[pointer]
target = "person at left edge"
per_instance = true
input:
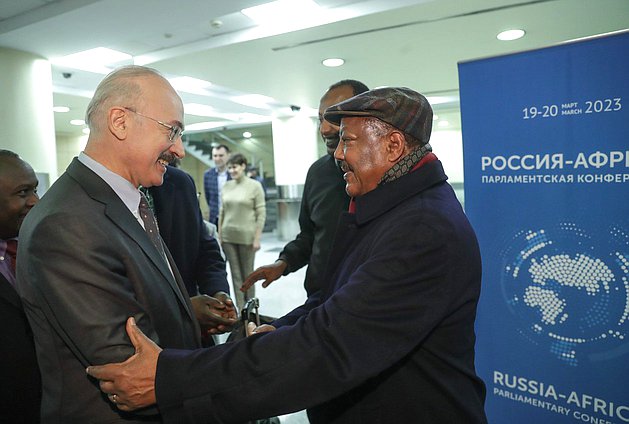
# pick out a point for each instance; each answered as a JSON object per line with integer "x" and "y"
{"x": 20, "y": 385}
{"x": 196, "y": 253}
{"x": 86, "y": 261}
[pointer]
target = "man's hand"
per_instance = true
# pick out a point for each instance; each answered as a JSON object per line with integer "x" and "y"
{"x": 264, "y": 328}
{"x": 130, "y": 385}
{"x": 268, "y": 273}
{"x": 216, "y": 314}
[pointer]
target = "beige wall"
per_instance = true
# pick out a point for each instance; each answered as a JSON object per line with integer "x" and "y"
{"x": 67, "y": 148}
{"x": 196, "y": 168}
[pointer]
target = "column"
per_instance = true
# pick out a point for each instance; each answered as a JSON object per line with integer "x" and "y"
{"x": 294, "y": 150}
{"x": 26, "y": 113}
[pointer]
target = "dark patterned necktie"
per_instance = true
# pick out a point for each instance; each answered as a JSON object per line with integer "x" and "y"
{"x": 150, "y": 225}
{"x": 149, "y": 198}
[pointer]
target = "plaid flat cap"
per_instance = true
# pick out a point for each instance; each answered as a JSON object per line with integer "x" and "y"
{"x": 405, "y": 109}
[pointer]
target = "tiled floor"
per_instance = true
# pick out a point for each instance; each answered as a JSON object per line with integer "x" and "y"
{"x": 280, "y": 297}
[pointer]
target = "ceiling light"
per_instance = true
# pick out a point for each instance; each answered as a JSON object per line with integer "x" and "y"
{"x": 252, "y": 118}
{"x": 439, "y": 100}
{"x": 86, "y": 130}
{"x": 190, "y": 85}
{"x": 77, "y": 122}
{"x": 198, "y": 109}
{"x": 254, "y": 100}
{"x": 511, "y": 34}
{"x": 100, "y": 60}
{"x": 246, "y": 134}
{"x": 61, "y": 109}
{"x": 202, "y": 126}
{"x": 333, "y": 62}
{"x": 283, "y": 11}
{"x": 443, "y": 124}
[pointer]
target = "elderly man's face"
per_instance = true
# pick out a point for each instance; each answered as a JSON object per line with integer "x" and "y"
{"x": 363, "y": 155}
{"x": 150, "y": 149}
{"x": 18, "y": 194}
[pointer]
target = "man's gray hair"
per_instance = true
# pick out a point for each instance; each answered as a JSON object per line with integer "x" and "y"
{"x": 118, "y": 88}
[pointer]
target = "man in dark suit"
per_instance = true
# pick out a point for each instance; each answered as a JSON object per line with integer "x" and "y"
{"x": 196, "y": 253}
{"x": 322, "y": 202}
{"x": 391, "y": 339}
{"x": 90, "y": 255}
{"x": 20, "y": 385}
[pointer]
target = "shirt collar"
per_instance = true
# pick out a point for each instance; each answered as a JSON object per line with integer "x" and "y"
{"x": 129, "y": 194}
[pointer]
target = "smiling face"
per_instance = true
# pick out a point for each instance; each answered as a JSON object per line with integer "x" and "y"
{"x": 220, "y": 156}
{"x": 236, "y": 171}
{"x": 365, "y": 155}
{"x": 18, "y": 194}
{"x": 149, "y": 149}
{"x": 330, "y": 132}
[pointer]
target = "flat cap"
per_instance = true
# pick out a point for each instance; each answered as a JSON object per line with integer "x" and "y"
{"x": 405, "y": 109}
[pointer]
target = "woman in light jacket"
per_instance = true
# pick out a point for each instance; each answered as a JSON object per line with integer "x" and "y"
{"x": 240, "y": 224}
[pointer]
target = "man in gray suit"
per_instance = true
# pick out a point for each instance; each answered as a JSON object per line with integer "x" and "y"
{"x": 92, "y": 260}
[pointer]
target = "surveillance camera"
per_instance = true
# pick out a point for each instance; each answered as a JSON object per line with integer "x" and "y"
{"x": 295, "y": 108}
{"x": 67, "y": 75}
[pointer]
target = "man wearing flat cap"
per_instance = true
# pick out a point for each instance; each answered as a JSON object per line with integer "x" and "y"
{"x": 391, "y": 339}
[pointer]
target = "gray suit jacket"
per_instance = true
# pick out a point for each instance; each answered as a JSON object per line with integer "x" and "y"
{"x": 85, "y": 265}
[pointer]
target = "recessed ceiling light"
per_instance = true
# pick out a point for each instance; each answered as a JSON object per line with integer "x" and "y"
{"x": 443, "y": 124}
{"x": 252, "y": 118}
{"x": 198, "y": 109}
{"x": 439, "y": 100}
{"x": 254, "y": 100}
{"x": 201, "y": 126}
{"x": 99, "y": 60}
{"x": 86, "y": 130}
{"x": 61, "y": 109}
{"x": 283, "y": 11}
{"x": 190, "y": 85}
{"x": 511, "y": 34}
{"x": 246, "y": 134}
{"x": 333, "y": 62}
{"x": 77, "y": 122}
{"x": 435, "y": 117}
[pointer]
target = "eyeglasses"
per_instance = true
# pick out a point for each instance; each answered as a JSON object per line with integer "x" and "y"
{"x": 175, "y": 130}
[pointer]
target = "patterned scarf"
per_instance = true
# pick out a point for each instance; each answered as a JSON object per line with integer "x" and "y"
{"x": 406, "y": 164}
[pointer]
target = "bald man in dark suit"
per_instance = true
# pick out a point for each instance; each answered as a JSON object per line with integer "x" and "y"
{"x": 92, "y": 253}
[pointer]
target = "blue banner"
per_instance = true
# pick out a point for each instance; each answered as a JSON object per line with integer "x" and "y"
{"x": 546, "y": 155}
